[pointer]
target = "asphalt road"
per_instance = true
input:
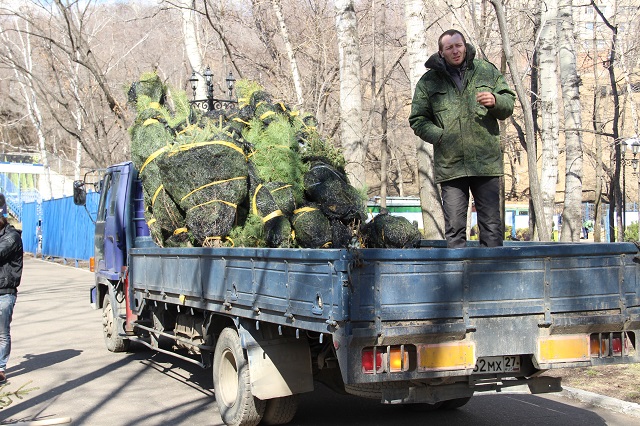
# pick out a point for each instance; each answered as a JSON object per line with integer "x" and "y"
{"x": 58, "y": 349}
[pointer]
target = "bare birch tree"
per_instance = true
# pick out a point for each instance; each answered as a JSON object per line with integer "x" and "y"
{"x": 534, "y": 183}
{"x": 548, "y": 106}
{"x": 26, "y": 83}
{"x": 192, "y": 44}
{"x": 570, "y": 81}
{"x": 293, "y": 63}
{"x": 430, "y": 201}
{"x": 351, "y": 127}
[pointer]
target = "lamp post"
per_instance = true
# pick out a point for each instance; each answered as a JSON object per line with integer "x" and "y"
{"x": 211, "y": 103}
{"x": 634, "y": 143}
{"x": 230, "y": 84}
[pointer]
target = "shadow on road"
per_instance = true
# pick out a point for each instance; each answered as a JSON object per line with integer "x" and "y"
{"x": 33, "y": 362}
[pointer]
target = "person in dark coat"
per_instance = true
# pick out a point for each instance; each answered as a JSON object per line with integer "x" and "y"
{"x": 456, "y": 107}
{"x": 11, "y": 254}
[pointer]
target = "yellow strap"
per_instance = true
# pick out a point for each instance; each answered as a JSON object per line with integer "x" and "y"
{"x": 327, "y": 244}
{"x": 294, "y": 113}
{"x": 207, "y": 240}
{"x": 254, "y": 203}
{"x": 304, "y": 210}
{"x": 180, "y": 231}
{"x": 281, "y": 105}
{"x": 272, "y": 215}
{"x": 154, "y": 105}
{"x": 189, "y": 146}
{"x": 266, "y": 114}
{"x": 155, "y": 194}
{"x": 149, "y": 121}
{"x": 282, "y": 187}
{"x": 240, "y": 120}
{"x": 189, "y": 128}
{"x": 151, "y": 222}
{"x": 301, "y": 211}
{"x": 154, "y": 156}
{"x": 235, "y": 206}
{"x": 211, "y": 184}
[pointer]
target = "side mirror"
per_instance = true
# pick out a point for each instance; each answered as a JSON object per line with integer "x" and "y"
{"x": 79, "y": 193}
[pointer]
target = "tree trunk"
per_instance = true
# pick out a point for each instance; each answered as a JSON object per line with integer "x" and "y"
{"x": 534, "y": 184}
{"x": 548, "y": 107}
{"x": 351, "y": 128}
{"x": 430, "y": 201}
{"x": 597, "y": 128}
{"x": 192, "y": 45}
{"x": 33, "y": 110}
{"x": 615, "y": 192}
{"x": 284, "y": 32}
{"x": 572, "y": 214}
{"x": 384, "y": 141}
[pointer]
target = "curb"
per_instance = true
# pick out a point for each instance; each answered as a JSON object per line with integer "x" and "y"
{"x": 606, "y": 402}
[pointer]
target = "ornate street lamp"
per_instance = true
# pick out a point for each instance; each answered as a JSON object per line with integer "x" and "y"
{"x": 634, "y": 143}
{"x": 211, "y": 103}
{"x": 230, "y": 83}
{"x": 194, "y": 83}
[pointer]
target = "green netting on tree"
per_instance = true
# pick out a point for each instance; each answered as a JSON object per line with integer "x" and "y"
{"x": 151, "y": 137}
{"x": 211, "y": 222}
{"x": 154, "y": 228}
{"x": 329, "y": 188}
{"x": 341, "y": 234}
{"x": 198, "y": 173}
{"x": 278, "y": 232}
{"x": 208, "y": 180}
{"x": 386, "y": 231}
{"x": 283, "y": 196}
{"x": 150, "y": 86}
{"x": 312, "y": 228}
{"x": 180, "y": 238}
{"x": 165, "y": 213}
{"x": 245, "y": 89}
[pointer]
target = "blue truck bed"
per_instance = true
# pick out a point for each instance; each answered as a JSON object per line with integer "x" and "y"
{"x": 315, "y": 289}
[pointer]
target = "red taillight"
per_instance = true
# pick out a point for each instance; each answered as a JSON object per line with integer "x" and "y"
{"x": 369, "y": 355}
{"x": 390, "y": 359}
{"x": 611, "y": 344}
{"x": 616, "y": 345}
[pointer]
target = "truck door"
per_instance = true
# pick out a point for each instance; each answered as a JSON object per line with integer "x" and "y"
{"x": 109, "y": 239}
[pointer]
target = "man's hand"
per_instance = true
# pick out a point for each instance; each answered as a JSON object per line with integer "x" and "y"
{"x": 486, "y": 99}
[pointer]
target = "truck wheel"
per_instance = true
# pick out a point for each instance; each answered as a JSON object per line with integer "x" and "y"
{"x": 111, "y": 328}
{"x": 280, "y": 411}
{"x": 452, "y": 404}
{"x": 231, "y": 383}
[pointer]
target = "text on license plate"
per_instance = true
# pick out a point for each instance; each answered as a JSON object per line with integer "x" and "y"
{"x": 497, "y": 364}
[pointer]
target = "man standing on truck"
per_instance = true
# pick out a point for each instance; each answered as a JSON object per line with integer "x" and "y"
{"x": 10, "y": 276}
{"x": 456, "y": 107}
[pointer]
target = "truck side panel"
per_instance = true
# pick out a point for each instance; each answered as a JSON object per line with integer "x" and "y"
{"x": 276, "y": 285}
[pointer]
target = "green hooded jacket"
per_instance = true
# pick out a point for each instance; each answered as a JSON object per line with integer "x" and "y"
{"x": 465, "y": 135}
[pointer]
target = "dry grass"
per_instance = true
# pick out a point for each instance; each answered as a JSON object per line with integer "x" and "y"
{"x": 616, "y": 381}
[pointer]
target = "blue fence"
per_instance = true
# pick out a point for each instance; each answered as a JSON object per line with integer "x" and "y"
{"x": 66, "y": 230}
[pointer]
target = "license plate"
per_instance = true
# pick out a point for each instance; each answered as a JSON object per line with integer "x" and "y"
{"x": 497, "y": 364}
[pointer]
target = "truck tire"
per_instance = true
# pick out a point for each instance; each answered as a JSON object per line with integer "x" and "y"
{"x": 280, "y": 411}
{"x": 231, "y": 383}
{"x": 111, "y": 325}
{"x": 452, "y": 404}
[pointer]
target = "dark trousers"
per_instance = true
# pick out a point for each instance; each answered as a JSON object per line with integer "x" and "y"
{"x": 455, "y": 201}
